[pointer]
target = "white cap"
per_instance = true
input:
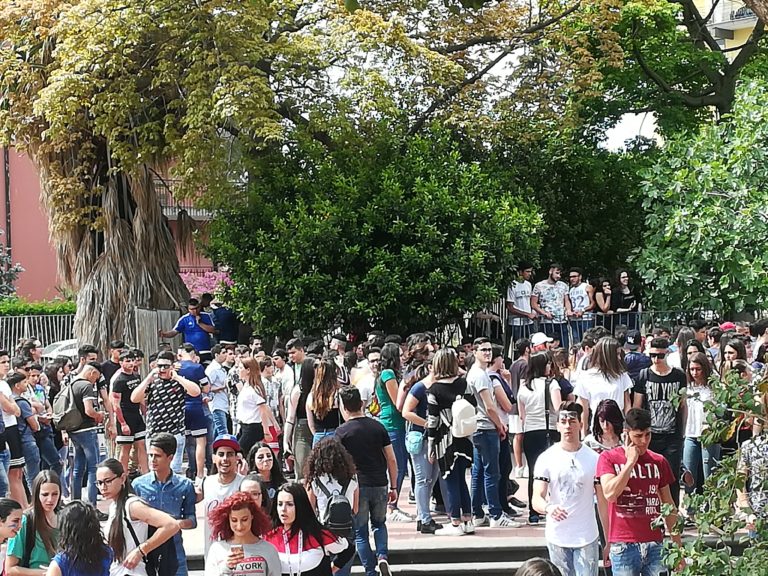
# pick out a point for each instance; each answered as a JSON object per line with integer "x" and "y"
{"x": 540, "y": 338}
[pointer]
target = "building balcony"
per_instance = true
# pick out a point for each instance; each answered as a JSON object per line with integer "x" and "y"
{"x": 729, "y": 16}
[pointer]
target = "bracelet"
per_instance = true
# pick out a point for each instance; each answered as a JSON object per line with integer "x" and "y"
{"x": 289, "y": 422}
{"x": 392, "y": 488}
{"x": 143, "y": 555}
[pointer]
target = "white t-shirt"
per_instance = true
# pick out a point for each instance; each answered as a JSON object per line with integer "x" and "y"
{"x": 571, "y": 478}
{"x": 594, "y": 388}
{"x": 214, "y": 492}
{"x": 217, "y": 377}
{"x": 533, "y": 404}
{"x": 5, "y": 390}
{"x": 333, "y": 486}
{"x": 697, "y": 416}
{"x": 248, "y": 402}
{"x": 139, "y": 527}
{"x": 673, "y": 359}
{"x": 260, "y": 559}
{"x": 519, "y": 293}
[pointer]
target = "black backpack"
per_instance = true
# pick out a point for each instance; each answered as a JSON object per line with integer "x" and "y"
{"x": 337, "y": 516}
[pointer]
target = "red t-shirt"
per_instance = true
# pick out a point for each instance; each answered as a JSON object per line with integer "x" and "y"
{"x": 640, "y": 503}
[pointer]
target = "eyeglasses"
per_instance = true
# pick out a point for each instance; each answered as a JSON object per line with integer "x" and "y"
{"x": 485, "y": 349}
{"x": 659, "y": 355}
{"x": 106, "y": 482}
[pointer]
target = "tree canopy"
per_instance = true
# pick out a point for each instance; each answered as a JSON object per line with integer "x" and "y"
{"x": 397, "y": 239}
{"x": 706, "y": 226}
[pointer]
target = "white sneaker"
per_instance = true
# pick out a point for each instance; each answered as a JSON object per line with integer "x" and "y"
{"x": 450, "y": 530}
{"x": 384, "y": 569}
{"x": 480, "y": 522}
{"x": 397, "y": 515}
{"x": 505, "y": 521}
{"x": 468, "y": 527}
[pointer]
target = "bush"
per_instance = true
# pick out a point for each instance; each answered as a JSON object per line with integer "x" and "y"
{"x": 397, "y": 239}
{"x": 16, "y": 307}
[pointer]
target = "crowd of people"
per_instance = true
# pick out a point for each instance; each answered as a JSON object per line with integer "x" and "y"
{"x": 299, "y": 455}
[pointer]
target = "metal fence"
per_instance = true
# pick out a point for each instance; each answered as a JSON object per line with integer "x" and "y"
{"x": 148, "y": 322}
{"x": 46, "y": 328}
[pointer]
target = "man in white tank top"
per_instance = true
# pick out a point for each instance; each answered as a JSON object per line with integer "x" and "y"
{"x": 582, "y": 296}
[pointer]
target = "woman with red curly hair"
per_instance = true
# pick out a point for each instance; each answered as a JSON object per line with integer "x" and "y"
{"x": 237, "y": 525}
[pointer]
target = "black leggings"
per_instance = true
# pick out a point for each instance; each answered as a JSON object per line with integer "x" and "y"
{"x": 249, "y": 435}
{"x": 534, "y": 444}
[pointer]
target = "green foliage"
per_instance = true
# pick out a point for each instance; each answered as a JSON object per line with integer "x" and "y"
{"x": 671, "y": 65}
{"x": 719, "y": 517}
{"x": 398, "y": 239}
{"x": 706, "y": 228}
{"x": 9, "y": 272}
{"x": 589, "y": 198}
{"x": 17, "y": 307}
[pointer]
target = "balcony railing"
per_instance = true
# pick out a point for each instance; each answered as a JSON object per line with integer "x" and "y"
{"x": 172, "y": 206}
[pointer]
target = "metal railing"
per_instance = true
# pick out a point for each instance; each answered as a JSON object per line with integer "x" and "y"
{"x": 47, "y": 328}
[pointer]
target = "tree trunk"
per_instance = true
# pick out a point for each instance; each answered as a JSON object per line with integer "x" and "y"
{"x": 120, "y": 257}
{"x": 759, "y": 7}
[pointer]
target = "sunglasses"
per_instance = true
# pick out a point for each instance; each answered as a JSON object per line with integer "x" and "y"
{"x": 164, "y": 366}
{"x": 659, "y": 355}
{"x": 567, "y": 417}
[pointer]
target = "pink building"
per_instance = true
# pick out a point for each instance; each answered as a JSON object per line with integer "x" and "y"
{"x": 23, "y": 219}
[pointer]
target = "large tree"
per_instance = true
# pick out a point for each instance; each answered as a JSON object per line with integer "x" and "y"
{"x": 106, "y": 95}
{"x": 707, "y": 226}
{"x": 673, "y": 64}
{"x": 396, "y": 239}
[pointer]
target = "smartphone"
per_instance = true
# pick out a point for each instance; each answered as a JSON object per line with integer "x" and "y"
{"x": 237, "y": 549}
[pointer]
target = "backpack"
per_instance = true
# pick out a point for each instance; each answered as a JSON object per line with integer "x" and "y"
{"x": 337, "y": 516}
{"x": 464, "y": 418}
{"x": 66, "y": 414}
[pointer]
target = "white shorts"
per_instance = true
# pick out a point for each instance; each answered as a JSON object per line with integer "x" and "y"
{"x": 515, "y": 424}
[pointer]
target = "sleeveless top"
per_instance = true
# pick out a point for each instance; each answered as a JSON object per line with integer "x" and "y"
{"x": 141, "y": 528}
{"x": 580, "y": 300}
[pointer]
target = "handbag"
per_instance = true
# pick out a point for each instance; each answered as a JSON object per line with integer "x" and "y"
{"x": 414, "y": 440}
{"x": 550, "y": 439}
{"x": 161, "y": 561}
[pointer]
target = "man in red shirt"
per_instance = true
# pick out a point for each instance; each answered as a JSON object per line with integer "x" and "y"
{"x": 636, "y": 482}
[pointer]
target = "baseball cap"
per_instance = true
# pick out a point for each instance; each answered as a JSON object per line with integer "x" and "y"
{"x": 726, "y": 326}
{"x": 228, "y": 441}
{"x": 540, "y": 338}
{"x": 633, "y": 339}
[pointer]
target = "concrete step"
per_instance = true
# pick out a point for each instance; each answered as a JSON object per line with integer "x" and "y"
{"x": 469, "y": 552}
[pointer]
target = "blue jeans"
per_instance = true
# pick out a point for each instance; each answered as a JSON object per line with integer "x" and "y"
{"x": 426, "y": 476}
{"x": 31, "y": 462}
{"x": 317, "y": 436}
{"x": 576, "y": 561}
{"x": 578, "y": 327}
{"x": 401, "y": 455}
{"x": 48, "y": 453}
{"x": 219, "y": 422}
{"x": 559, "y": 331}
{"x": 178, "y": 458}
{"x": 181, "y": 556}
{"x": 456, "y": 498}
{"x": 697, "y": 456}
{"x": 5, "y": 462}
{"x": 86, "y": 445}
{"x": 485, "y": 473}
{"x": 637, "y": 559}
{"x": 373, "y": 505}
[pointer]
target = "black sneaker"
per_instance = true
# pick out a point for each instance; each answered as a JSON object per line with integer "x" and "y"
{"x": 384, "y": 567}
{"x": 101, "y": 516}
{"x": 516, "y": 502}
